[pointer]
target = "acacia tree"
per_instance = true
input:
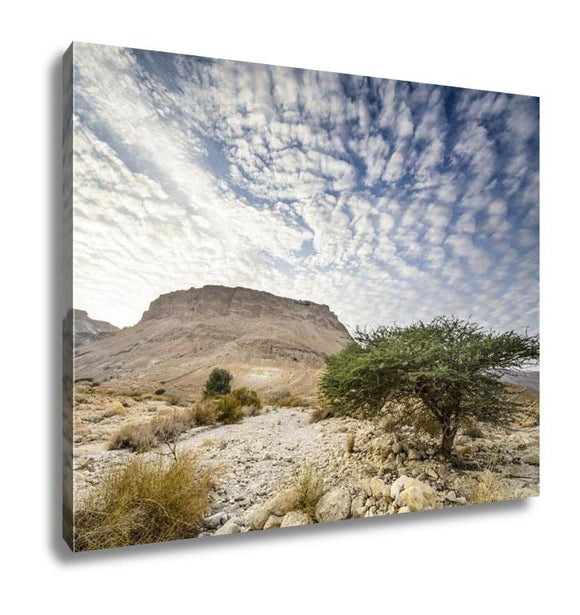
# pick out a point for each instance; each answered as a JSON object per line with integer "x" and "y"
{"x": 449, "y": 367}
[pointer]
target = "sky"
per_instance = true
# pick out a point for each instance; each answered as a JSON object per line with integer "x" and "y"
{"x": 389, "y": 201}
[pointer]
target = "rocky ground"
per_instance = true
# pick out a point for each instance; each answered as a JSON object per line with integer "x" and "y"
{"x": 364, "y": 469}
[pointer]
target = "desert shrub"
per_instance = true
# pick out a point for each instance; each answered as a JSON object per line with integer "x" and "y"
{"x": 145, "y": 502}
{"x": 168, "y": 428}
{"x": 489, "y": 487}
{"x": 291, "y": 401}
{"x": 137, "y": 437}
{"x": 275, "y": 397}
{"x": 115, "y": 408}
{"x": 319, "y": 414}
{"x": 228, "y": 410}
{"x": 203, "y": 414}
{"x": 309, "y": 487}
{"x": 350, "y": 443}
{"x": 218, "y": 382}
{"x": 278, "y": 395}
{"x": 248, "y": 400}
{"x": 159, "y": 391}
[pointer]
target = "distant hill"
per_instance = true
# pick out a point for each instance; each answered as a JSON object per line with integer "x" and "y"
{"x": 269, "y": 343}
{"x": 86, "y": 328}
{"x": 529, "y": 379}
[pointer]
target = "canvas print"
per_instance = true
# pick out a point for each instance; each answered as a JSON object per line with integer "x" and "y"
{"x": 295, "y": 297}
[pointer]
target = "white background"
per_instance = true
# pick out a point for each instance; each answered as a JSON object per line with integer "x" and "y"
{"x": 519, "y": 557}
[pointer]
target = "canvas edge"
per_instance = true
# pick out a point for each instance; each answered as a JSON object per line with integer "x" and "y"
{"x": 67, "y": 299}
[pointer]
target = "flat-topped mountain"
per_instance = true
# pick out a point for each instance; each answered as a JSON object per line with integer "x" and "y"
{"x": 87, "y": 328}
{"x": 268, "y": 342}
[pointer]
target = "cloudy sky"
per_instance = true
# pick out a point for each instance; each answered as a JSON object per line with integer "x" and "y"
{"x": 386, "y": 200}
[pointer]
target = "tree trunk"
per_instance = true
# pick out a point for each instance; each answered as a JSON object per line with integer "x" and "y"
{"x": 447, "y": 439}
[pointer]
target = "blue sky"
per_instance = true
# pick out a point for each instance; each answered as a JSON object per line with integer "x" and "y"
{"x": 386, "y": 200}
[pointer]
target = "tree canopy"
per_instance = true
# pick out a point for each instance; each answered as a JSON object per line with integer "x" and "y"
{"x": 450, "y": 367}
{"x": 218, "y": 382}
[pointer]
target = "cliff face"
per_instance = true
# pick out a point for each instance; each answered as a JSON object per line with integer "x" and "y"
{"x": 86, "y": 328}
{"x": 268, "y": 342}
{"x": 227, "y": 303}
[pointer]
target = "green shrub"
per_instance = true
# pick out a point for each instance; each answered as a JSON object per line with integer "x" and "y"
{"x": 159, "y": 391}
{"x": 218, "y": 382}
{"x": 248, "y": 400}
{"x": 145, "y": 502}
{"x": 229, "y": 410}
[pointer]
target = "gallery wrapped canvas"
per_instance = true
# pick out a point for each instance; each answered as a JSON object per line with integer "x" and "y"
{"x": 296, "y": 297}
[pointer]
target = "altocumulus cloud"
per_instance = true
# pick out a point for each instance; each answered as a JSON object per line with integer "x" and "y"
{"x": 387, "y": 200}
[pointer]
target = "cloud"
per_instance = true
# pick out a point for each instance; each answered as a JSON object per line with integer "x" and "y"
{"x": 386, "y": 200}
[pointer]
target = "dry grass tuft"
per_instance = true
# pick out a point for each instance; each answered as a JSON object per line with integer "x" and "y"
{"x": 350, "y": 443}
{"x": 489, "y": 487}
{"x": 114, "y": 408}
{"x": 145, "y": 502}
{"x": 137, "y": 437}
{"x": 292, "y": 401}
{"x": 319, "y": 413}
{"x": 203, "y": 413}
{"x": 309, "y": 487}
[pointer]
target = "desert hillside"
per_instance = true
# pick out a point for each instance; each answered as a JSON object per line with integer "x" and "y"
{"x": 87, "y": 328}
{"x": 269, "y": 343}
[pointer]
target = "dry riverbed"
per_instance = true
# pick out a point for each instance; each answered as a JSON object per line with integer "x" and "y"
{"x": 262, "y": 455}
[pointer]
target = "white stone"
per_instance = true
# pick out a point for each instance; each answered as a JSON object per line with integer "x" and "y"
{"x": 295, "y": 518}
{"x": 334, "y": 505}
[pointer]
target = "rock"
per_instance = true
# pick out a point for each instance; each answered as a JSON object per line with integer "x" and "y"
{"x": 430, "y": 472}
{"x": 414, "y": 455}
{"x": 358, "y": 507}
{"x": 272, "y": 522}
{"x": 215, "y": 521}
{"x": 153, "y": 406}
{"x": 412, "y": 499}
{"x": 397, "y": 448}
{"x": 230, "y": 527}
{"x": 531, "y": 457}
{"x": 283, "y": 503}
{"x": 404, "y": 509}
{"x": 451, "y": 496}
{"x": 334, "y": 505}
{"x": 413, "y": 494}
{"x": 295, "y": 518}
{"x": 256, "y": 517}
{"x": 366, "y": 487}
{"x": 401, "y": 483}
{"x": 378, "y": 488}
